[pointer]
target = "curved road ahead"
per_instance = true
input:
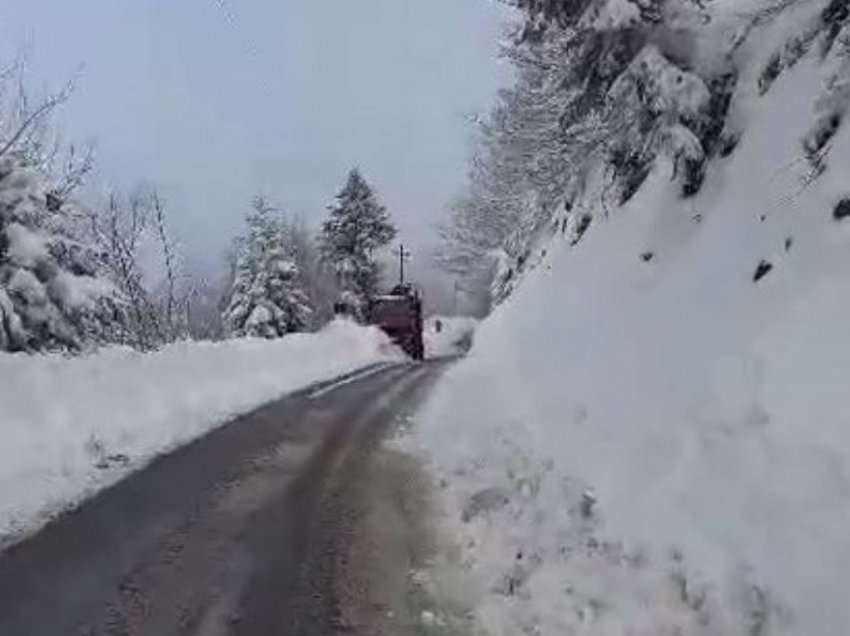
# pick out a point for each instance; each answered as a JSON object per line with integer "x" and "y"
{"x": 293, "y": 520}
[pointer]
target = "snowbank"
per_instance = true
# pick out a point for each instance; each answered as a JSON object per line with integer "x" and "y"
{"x": 454, "y": 337}
{"x": 71, "y": 426}
{"x": 647, "y": 440}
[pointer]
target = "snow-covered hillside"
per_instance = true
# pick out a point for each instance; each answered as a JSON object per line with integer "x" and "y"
{"x": 72, "y": 426}
{"x": 651, "y": 435}
{"x": 454, "y": 337}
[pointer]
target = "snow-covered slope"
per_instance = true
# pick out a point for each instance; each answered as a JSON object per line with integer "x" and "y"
{"x": 71, "y": 426}
{"x": 453, "y": 338}
{"x": 651, "y": 436}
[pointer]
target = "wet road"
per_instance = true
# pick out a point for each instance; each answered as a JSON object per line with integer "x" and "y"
{"x": 293, "y": 520}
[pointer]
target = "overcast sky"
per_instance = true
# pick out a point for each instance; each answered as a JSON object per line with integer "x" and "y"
{"x": 215, "y": 101}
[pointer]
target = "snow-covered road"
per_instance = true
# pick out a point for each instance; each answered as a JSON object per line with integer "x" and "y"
{"x": 72, "y": 426}
{"x": 291, "y": 520}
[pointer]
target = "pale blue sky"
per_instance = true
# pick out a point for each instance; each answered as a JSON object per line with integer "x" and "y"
{"x": 282, "y": 99}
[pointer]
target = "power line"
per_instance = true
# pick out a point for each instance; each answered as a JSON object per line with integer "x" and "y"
{"x": 403, "y": 257}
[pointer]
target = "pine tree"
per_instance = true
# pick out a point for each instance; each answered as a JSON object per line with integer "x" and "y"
{"x": 54, "y": 291}
{"x": 267, "y": 298}
{"x": 358, "y": 226}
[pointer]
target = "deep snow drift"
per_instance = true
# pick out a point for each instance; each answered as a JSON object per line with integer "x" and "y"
{"x": 72, "y": 426}
{"x": 645, "y": 439}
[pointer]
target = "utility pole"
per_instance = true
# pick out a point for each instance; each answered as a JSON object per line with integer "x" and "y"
{"x": 454, "y": 298}
{"x": 402, "y": 257}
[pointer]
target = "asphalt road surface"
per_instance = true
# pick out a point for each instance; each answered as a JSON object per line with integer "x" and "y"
{"x": 294, "y": 520}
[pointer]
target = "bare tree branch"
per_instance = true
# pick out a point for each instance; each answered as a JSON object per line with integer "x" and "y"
{"x": 74, "y": 170}
{"x": 169, "y": 260}
{"x": 29, "y": 120}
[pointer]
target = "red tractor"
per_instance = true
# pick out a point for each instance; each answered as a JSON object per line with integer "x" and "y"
{"x": 399, "y": 315}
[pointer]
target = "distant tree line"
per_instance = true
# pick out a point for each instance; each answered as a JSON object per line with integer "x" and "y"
{"x": 284, "y": 280}
{"x": 74, "y": 275}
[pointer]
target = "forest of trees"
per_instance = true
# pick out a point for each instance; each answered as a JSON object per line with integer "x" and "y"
{"x": 602, "y": 89}
{"x": 73, "y": 275}
{"x": 283, "y": 280}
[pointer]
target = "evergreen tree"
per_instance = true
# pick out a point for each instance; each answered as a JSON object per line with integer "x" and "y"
{"x": 267, "y": 298}
{"x": 54, "y": 291}
{"x": 358, "y": 226}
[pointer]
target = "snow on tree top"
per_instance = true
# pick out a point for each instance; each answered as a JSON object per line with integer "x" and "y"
{"x": 53, "y": 294}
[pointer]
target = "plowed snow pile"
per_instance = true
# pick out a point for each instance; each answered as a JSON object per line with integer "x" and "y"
{"x": 72, "y": 426}
{"x": 652, "y": 434}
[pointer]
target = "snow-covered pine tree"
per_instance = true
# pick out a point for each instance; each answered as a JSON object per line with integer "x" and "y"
{"x": 267, "y": 299}
{"x": 54, "y": 290}
{"x": 358, "y": 226}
